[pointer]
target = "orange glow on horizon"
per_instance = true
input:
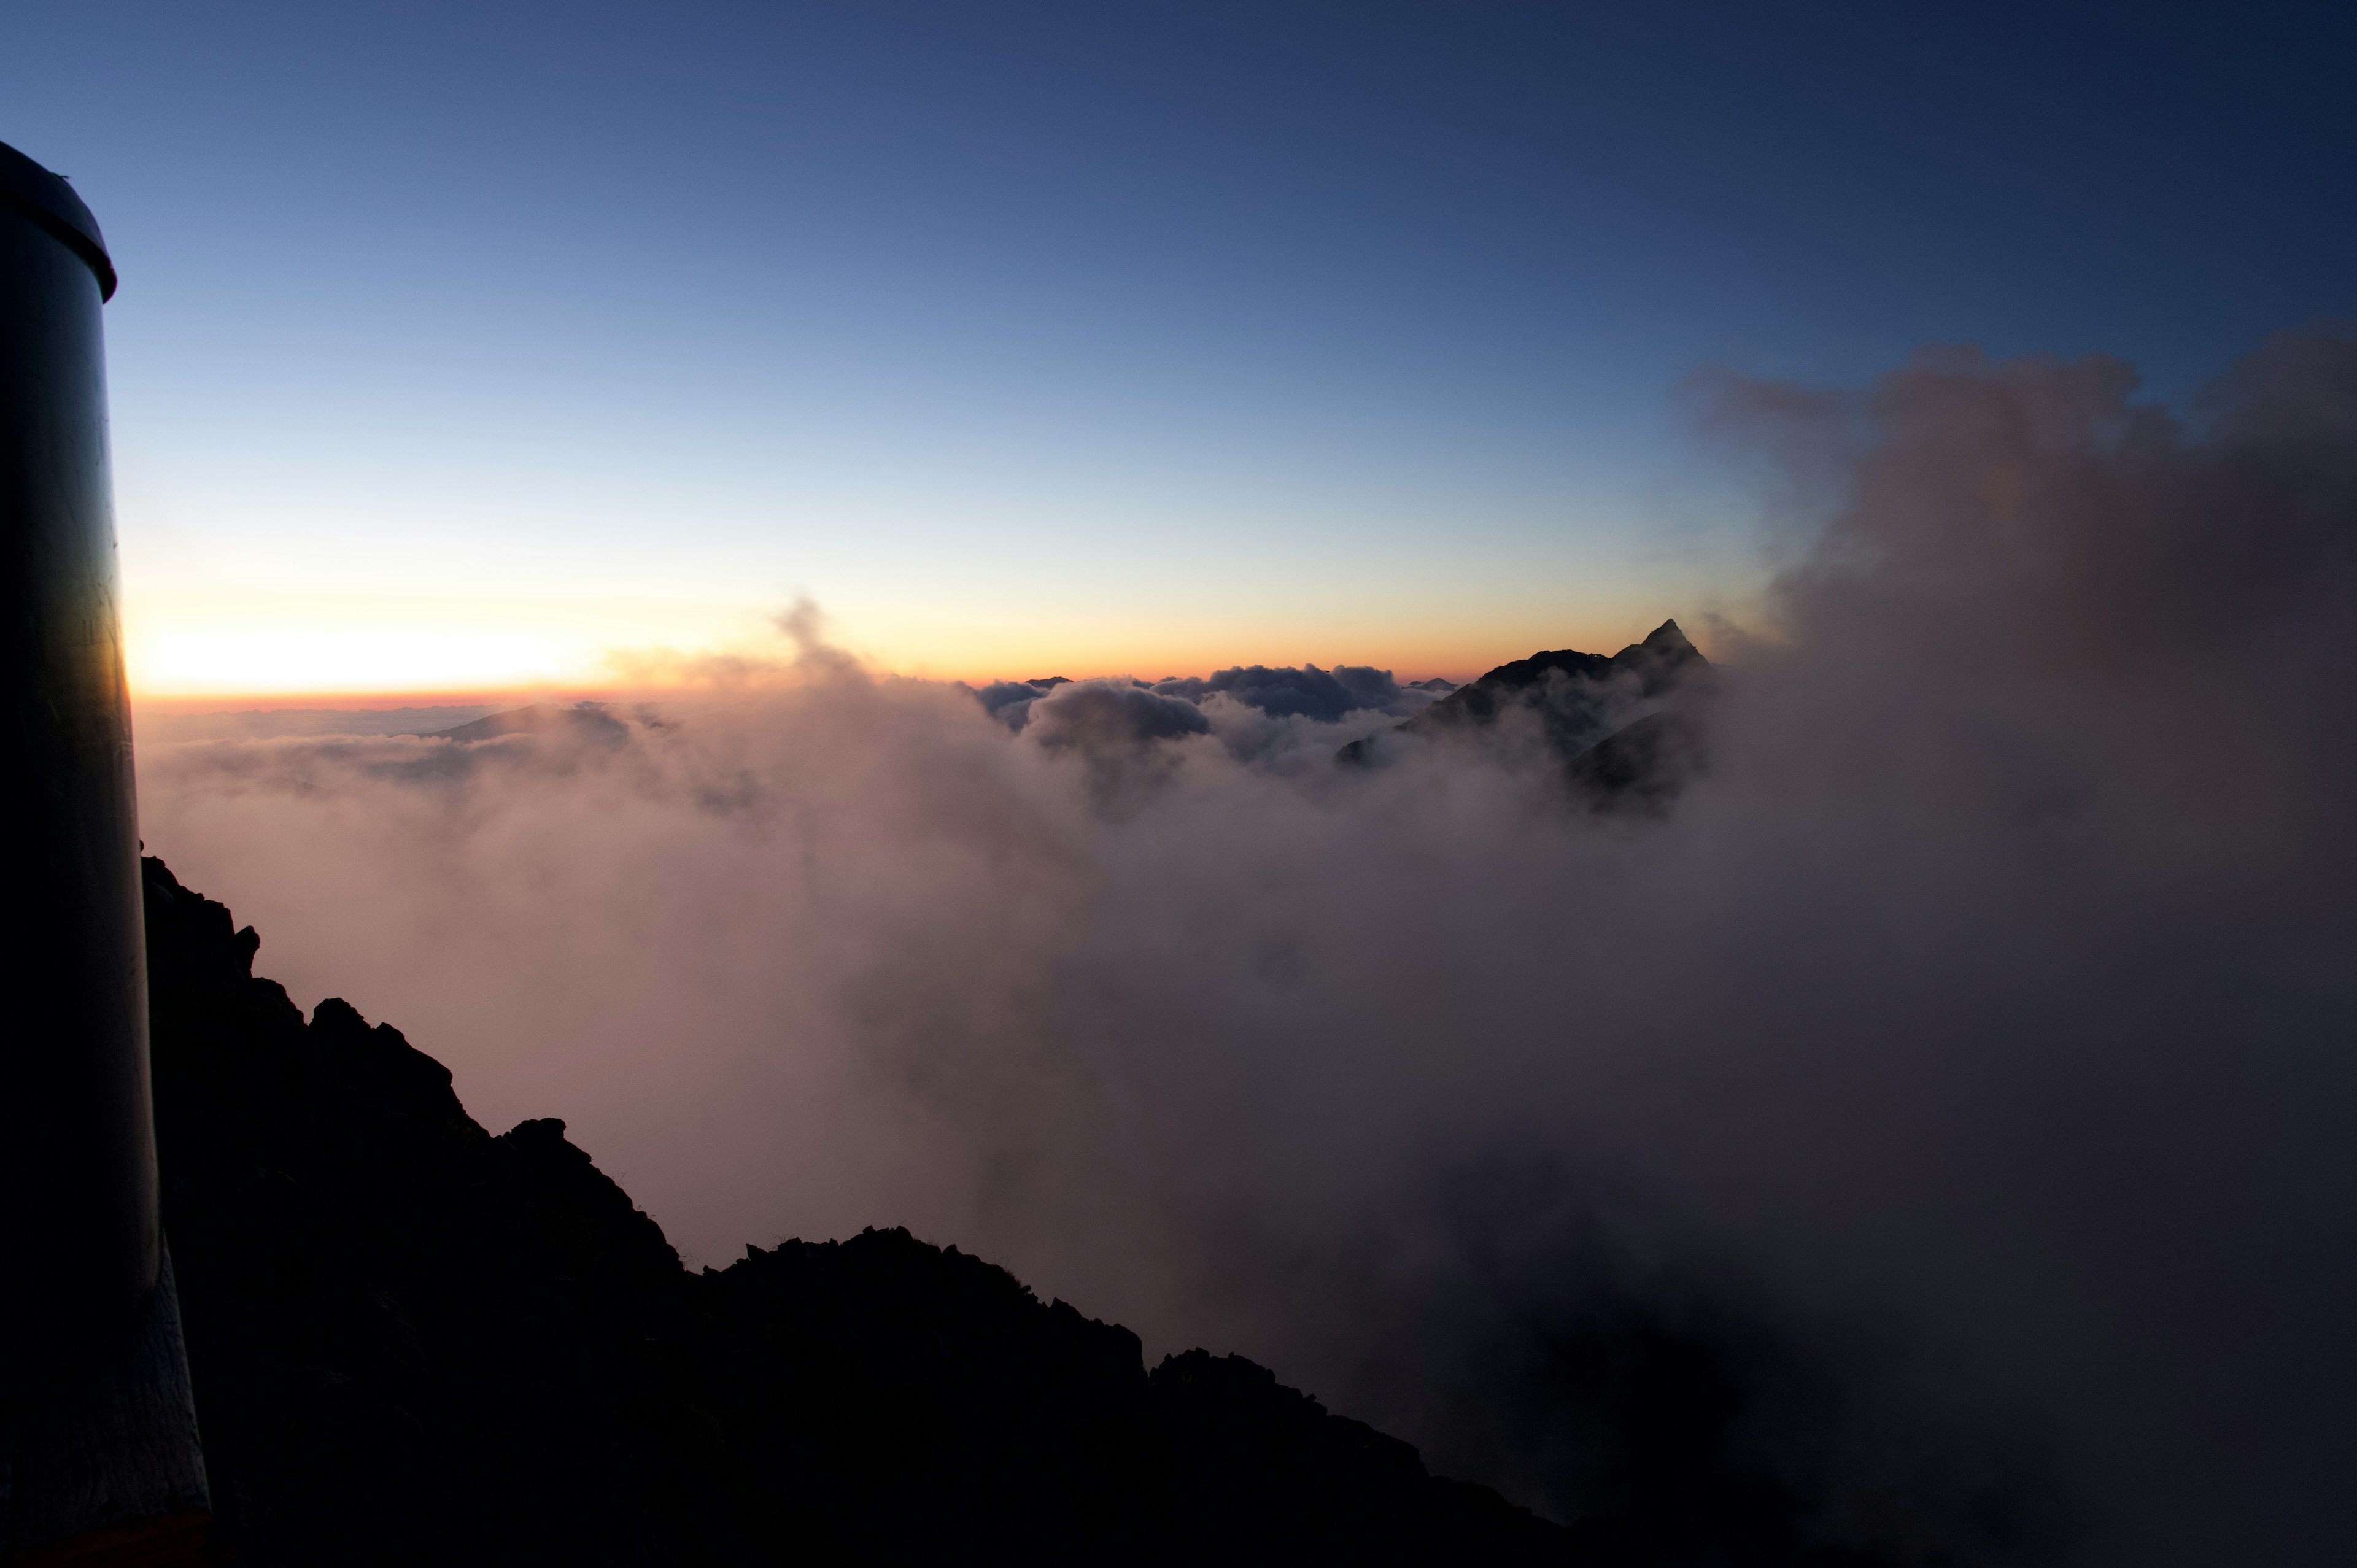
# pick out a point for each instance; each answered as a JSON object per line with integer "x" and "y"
{"x": 207, "y": 653}
{"x": 392, "y": 636}
{"x": 363, "y": 701}
{"x": 652, "y": 677}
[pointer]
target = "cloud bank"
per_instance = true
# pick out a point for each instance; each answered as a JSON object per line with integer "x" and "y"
{"x": 1933, "y": 1136}
{"x": 1252, "y": 697}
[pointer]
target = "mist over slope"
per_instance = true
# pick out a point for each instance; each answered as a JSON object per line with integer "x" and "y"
{"x": 416, "y": 1342}
{"x": 1947, "y": 1106}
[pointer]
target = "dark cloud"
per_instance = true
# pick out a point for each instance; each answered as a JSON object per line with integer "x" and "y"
{"x": 1093, "y": 715}
{"x": 1009, "y": 702}
{"x": 1322, "y": 696}
{"x": 1305, "y": 693}
{"x": 1115, "y": 728}
{"x": 1930, "y": 1142}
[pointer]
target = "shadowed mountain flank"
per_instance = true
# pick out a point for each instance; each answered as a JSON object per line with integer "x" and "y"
{"x": 1623, "y": 727}
{"x": 414, "y": 1342}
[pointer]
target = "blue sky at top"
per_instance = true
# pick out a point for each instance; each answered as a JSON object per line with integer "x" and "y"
{"x": 458, "y": 344}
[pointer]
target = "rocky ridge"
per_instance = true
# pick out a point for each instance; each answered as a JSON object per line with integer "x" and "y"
{"x": 413, "y": 1341}
{"x": 1621, "y": 727}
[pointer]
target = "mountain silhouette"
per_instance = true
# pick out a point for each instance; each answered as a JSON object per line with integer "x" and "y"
{"x": 1623, "y": 727}
{"x": 413, "y": 1341}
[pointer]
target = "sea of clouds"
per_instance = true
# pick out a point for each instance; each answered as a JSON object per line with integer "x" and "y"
{"x": 1934, "y": 1135}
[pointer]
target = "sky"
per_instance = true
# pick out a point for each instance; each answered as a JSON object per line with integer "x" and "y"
{"x": 461, "y": 348}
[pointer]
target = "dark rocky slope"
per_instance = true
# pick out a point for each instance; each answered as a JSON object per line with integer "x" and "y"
{"x": 414, "y": 1342}
{"x": 1622, "y": 728}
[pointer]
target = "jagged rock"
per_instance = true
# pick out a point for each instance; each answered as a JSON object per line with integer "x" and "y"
{"x": 1643, "y": 765}
{"x": 414, "y": 1342}
{"x": 1621, "y": 727}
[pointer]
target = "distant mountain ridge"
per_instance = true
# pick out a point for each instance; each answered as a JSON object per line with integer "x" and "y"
{"x": 1622, "y": 727}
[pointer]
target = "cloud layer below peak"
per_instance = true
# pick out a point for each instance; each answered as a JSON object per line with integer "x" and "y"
{"x": 1943, "y": 1114}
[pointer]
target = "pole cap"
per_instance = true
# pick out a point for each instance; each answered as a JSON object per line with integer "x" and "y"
{"x": 27, "y": 188}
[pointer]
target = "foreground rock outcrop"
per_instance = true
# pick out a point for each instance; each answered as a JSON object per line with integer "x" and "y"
{"x": 416, "y": 1342}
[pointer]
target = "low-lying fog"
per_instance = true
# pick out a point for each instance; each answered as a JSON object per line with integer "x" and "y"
{"x": 1935, "y": 1134}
